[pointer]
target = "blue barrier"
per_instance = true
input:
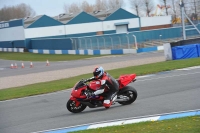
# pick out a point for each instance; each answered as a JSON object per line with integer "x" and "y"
{"x": 184, "y": 52}
{"x": 198, "y": 49}
{"x": 95, "y": 52}
{"x": 81, "y": 52}
{"x": 116, "y": 51}
{"x": 85, "y": 52}
{"x": 11, "y": 49}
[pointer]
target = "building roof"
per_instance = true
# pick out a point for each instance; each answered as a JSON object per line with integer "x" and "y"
{"x": 45, "y": 21}
{"x": 65, "y": 18}
{"x": 120, "y": 13}
{"x": 83, "y": 17}
{"x": 103, "y": 14}
{"x": 29, "y": 20}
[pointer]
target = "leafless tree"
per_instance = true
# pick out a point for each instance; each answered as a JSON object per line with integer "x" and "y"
{"x": 185, "y": 1}
{"x": 196, "y": 4}
{"x": 113, "y": 4}
{"x": 85, "y": 6}
{"x": 100, "y": 5}
{"x": 174, "y": 8}
{"x": 76, "y": 8}
{"x": 148, "y": 6}
{"x": 66, "y": 8}
{"x": 16, "y": 12}
{"x": 188, "y": 6}
{"x": 166, "y": 5}
{"x": 136, "y": 5}
{"x": 192, "y": 8}
{"x": 73, "y": 8}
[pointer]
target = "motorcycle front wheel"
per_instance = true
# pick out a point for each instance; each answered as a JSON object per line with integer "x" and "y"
{"x": 71, "y": 106}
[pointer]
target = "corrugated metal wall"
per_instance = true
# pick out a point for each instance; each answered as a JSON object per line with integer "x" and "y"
{"x": 52, "y": 44}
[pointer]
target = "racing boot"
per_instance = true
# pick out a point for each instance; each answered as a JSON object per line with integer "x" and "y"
{"x": 107, "y": 103}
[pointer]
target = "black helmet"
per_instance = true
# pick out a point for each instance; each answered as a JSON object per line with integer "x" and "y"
{"x": 98, "y": 72}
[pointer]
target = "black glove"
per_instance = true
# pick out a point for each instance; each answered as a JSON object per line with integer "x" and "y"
{"x": 90, "y": 79}
{"x": 90, "y": 95}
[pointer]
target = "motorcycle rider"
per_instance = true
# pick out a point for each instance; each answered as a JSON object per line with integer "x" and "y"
{"x": 106, "y": 80}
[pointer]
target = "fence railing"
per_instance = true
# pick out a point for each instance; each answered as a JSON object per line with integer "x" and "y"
{"x": 111, "y": 41}
{"x": 131, "y": 40}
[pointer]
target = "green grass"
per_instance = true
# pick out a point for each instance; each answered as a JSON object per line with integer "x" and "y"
{"x": 178, "y": 125}
{"x": 42, "y": 57}
{"x": 57, "y": 85}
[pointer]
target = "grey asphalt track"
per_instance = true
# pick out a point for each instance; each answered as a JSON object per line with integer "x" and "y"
{"x": 161, "y": 93}
{"x": 41, "y": 73}
{"x": 5, "y": 70}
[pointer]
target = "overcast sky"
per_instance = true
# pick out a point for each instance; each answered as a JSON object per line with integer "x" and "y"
{"x": 50, "y": 7}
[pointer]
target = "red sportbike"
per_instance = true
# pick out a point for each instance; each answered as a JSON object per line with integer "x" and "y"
{"x": 79, "y": 100}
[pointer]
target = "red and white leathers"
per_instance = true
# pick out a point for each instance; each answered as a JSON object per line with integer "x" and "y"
{"x": 113, "y": 86}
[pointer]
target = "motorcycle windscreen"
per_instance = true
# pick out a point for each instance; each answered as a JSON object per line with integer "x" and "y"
{"x": 124, "y": 80}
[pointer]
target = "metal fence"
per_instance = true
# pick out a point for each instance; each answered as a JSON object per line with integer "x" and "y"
{"x": 112, "y": 41}
{"x": 130, "y": 40}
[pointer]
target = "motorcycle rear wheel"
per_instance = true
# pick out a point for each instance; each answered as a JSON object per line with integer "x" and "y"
{"x": 130, "y": 92}
{"x": 71, "y": 106}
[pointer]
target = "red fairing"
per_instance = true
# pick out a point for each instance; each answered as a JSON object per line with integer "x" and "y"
{"x": 124, "y": 80}
{"x": 94, "y": 85}
{"x": 78, "y": 93}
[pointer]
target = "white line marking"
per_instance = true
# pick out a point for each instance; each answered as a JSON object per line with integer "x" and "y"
{"x": 2, "y": 68}
{"x": 189, "y": 68}
{"x": 145, "y": 76}
{"x": 108, "y": 121}
{"x": 123, "y": 122}
{"x": 169, "y": 76}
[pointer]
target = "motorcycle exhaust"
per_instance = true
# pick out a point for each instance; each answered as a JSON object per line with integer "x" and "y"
{"x": 123, "y": 99}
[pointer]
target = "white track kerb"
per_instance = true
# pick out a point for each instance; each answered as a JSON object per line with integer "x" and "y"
{"x": 125, "y": 121}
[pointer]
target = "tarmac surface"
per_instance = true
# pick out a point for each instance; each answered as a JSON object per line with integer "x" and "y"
{"x": 159, "y": 93}
{"x": 59, "y": 70}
